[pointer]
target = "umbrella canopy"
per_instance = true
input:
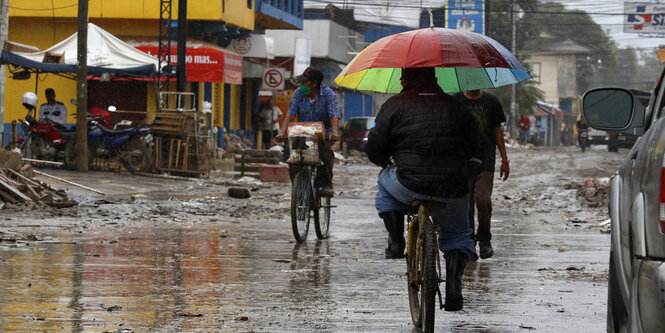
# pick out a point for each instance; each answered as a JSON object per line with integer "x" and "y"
{"x": 462, "y": 60}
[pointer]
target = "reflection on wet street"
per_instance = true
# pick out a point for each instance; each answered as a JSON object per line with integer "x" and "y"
{"x": 184, "y": 257}
{"x": 254, "y": 278}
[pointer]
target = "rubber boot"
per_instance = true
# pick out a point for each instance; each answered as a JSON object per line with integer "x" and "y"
{"x": 394, "y": 222}
{"x": 455, "y": 264}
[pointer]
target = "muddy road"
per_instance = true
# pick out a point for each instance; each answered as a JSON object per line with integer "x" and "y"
{"x": 156, "y": 255}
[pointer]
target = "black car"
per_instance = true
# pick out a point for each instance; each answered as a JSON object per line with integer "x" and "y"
{"x": 355, "y": 133}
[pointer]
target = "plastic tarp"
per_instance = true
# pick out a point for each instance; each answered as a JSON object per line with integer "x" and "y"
{"x": 106, "y": 54}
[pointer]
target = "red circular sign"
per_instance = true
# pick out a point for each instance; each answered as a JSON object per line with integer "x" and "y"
{"x": 273, "y": 78}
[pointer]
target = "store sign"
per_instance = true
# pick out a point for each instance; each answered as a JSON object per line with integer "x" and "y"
{"x": 273, "y": 78}
{"x": 468, "y": 15}
{"x": 644, "y": 17}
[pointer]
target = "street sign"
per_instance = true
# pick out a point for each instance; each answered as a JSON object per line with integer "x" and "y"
{"x": 644, "y": 17}
{"x": 468, "y": 15}
{"x": 273, "y": 78}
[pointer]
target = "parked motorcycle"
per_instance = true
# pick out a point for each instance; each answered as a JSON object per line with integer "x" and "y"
{"x": 43, "y": 139}
{"x": 130, "y": 145}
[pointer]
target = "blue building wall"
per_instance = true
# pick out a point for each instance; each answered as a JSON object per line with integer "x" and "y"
{"x": 289, "y": 11}
{"x": 356, "y": 105}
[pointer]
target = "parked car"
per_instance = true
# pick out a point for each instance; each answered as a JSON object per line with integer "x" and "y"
{"x": 636, "y": 288}
{"x": 354, "y": 135}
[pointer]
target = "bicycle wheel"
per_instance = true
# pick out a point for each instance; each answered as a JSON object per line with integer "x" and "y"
{"x": 322, "y": 216}
{"x": 422, "y": 277}
{"x": 300, "y": 206}
{"x": 430, "y": 279}
{"x": 414, "y": 266}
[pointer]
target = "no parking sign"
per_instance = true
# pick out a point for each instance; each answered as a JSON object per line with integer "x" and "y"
{"x": 273, "y": 78}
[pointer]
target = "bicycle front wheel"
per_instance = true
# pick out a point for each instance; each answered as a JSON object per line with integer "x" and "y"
{"x": 322, "y": 216}
{"x": 300, "y": 206}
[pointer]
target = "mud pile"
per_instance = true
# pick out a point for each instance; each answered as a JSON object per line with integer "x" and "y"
{"x": 593, "y": 192}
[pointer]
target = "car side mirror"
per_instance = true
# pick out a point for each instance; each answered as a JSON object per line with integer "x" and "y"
{"x": 615, "y": 110}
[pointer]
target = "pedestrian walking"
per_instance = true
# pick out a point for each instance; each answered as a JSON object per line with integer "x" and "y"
{"x": 269, "y": 122}
{"x": 487, "y": 110}
{"x": 524, "y": 125}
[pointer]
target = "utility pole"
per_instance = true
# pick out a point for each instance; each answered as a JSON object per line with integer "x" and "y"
{"x": 513, "y": 88}
{"x": 181, "y": 72}
{"x": 4, "y": 31}
{"x": 82, "y": 88}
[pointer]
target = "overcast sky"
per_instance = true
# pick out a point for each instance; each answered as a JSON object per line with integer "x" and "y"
{"x": 608, "y": 14}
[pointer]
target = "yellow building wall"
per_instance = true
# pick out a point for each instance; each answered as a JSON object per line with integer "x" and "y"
{"x": 234, "y": 12}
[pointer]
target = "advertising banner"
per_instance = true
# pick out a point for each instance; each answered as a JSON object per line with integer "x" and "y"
{"x": 303, "y": 55}
{"x": 466, "y": 15}
{"x": 644, "y": 17}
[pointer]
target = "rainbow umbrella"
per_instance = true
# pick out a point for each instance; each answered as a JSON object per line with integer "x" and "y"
{"x": 462, "y": 60}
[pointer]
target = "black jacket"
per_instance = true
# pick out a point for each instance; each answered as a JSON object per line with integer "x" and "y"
{"x": 430, "y": 137}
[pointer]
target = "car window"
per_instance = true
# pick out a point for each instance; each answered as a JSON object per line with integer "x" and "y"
{"x": 360, "y": 124}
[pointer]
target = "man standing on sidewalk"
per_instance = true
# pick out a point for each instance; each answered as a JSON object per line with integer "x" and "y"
{"x": 487, "y": 110}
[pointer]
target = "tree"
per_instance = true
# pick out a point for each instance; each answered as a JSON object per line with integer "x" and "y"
{"x": 500, "y": 29}
{"x": 578, "y": 26}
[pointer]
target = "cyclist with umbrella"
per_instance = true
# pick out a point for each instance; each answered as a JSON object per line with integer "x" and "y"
{"x": 455, "y": 61}
{"x": 430, "y": 139}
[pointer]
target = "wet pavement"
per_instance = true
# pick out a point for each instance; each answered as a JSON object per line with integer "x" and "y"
{"x": 180, "y": 256}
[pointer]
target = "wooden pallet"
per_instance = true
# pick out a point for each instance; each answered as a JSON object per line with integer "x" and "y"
{"x": 248, "y": 161}
{"x": 15, "y": 188}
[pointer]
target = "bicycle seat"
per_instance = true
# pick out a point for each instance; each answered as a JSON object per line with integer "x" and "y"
{"x": 427, "y": 203}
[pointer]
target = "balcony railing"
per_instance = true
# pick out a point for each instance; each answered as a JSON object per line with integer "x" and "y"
{"x": 290, "y": 11}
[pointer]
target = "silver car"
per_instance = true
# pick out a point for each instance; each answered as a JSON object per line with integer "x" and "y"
{"x": 636, "y": 291}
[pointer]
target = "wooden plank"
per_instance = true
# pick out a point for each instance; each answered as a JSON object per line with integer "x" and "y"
{"x": 7, "y": 197}
{"x": 14, "y": 191}
{"x": 261, "y": 152}
{"x": 24, "y": 178}
{"x": 264, "y": 160}
{"x": 246, "y": 168}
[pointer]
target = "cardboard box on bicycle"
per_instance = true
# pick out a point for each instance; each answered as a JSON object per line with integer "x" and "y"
{"x": 312, "y": 128}
{"x": 312, "y": 132}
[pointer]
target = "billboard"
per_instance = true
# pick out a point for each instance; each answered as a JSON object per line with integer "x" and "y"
{"x": 644, "y": 17}
{"x": 466, "y": 15}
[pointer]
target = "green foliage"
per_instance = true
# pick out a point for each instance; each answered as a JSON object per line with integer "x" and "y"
{"x": 500, "y": 29}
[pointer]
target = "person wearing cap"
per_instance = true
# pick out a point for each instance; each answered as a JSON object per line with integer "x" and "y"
{"x": 53, "y": 110}
{"x": 313, "y": 101}
{"x": 424, "y": 142}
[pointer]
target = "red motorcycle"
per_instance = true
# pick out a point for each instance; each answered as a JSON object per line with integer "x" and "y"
{"x": 43, "y": 139}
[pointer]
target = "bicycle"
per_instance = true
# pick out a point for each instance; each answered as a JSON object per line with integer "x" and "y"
{"x": 306, "y": 199}
{"x": 423, "y": 264}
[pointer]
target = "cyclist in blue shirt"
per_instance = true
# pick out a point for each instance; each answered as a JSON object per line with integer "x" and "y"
{"x": 313, "y": 101}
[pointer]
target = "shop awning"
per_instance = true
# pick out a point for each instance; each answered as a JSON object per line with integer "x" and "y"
{"x": 106, "y": 54}
{"x": 205, "y": 62}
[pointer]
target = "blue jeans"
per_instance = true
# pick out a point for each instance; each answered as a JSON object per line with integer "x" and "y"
{"x": 453, "y": 219}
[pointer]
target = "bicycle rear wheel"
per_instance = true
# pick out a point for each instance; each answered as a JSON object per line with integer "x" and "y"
{"x": 300, "y": 206}
{"x": 322, "y": 216}
{"x": 430, "y": 279}
{"x": 422, "y": 277}
{"x": 414, "y": 267}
